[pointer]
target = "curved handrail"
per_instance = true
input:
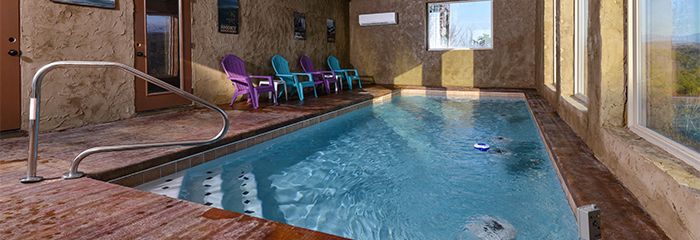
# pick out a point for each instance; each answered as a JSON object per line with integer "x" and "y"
{"x": 73, "y": 171}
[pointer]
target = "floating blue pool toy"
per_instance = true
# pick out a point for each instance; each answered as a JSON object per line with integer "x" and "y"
{"x": 482, "y": 146}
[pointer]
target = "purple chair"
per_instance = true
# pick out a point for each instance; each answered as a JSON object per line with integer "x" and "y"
{"x": 327, "y": 77}
{"x": 235, "y": 69}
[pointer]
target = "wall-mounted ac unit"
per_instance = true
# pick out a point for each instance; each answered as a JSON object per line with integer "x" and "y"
{"x": 378, "y": 19}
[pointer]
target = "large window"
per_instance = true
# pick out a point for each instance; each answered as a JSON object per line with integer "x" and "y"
{"x": 581, "y": 52}
{"x": 460, "y": 25}
{"x": 665, "y": 75}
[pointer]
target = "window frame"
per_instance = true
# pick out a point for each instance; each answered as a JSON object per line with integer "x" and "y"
{"x": 580, "y": 52}
{"x": 555, "y": 45}
{"x": 636, "y": 107}
{"x": 427, "y": 26}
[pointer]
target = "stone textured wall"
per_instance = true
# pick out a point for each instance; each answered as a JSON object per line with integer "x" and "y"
{"x": 266, "y": 29}
{"x": 76, "y": 97}
{"x": 396, "y": 54}
{"x": 668, "y": 189}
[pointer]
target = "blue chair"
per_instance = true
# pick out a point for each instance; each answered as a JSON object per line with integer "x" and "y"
{"x": 335, "y": 67}
{"x": 281, "y": 67}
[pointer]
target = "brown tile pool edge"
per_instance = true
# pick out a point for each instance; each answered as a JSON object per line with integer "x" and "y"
{"x": 153, "y": 173}
{"x": 582, "y": 176}
{"x": 586, "y": 180}
{"x": 180, "y": 164}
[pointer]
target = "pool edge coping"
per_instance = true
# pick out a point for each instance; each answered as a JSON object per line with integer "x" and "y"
{"x": 180, "y": 164}
{"x": 526, "y": 95}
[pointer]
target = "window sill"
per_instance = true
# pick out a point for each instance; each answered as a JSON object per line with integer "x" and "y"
{"x": 583, "y": 99}
{"x": 551, "y": 87}
{"x": 675, "y": 167}
{"x": 576, "y": 103}
{"x": 679, "y": 151}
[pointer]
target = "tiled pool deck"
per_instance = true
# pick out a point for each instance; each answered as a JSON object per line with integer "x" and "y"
{"x": 90, "y": 208}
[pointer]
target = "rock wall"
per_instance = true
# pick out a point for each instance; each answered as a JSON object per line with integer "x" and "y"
{"x": 266, "y": 29}
{"x": 668, "y": 188}
{"x": 77, "y": 97}
{"x": 397, "y": 54}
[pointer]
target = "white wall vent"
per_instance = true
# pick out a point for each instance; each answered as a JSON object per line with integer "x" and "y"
{"x": 375, "y": 19}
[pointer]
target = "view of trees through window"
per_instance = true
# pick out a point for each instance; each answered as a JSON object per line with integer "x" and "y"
{"x": 670, "y": 58}
{"x": 460, "y": 25}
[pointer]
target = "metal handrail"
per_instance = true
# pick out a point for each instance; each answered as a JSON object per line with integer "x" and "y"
{"x": 73, "y": 171}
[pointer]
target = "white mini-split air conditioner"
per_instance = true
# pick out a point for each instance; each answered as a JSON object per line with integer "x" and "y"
{"x": 378, "y": 19}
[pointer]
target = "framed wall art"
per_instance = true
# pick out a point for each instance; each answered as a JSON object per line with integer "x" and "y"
{"x": 228, "y": 16}
{"x": 92, "y": 3}
{"x": 330, "y": 29}
{"x": 299, "y": 26}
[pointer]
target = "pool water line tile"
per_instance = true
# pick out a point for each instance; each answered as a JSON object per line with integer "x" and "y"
{"x": 138, "y": 178}
{"x": 260, "y": 138}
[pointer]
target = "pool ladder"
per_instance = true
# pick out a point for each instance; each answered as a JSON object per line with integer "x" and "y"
{"x": 73, "y": 171}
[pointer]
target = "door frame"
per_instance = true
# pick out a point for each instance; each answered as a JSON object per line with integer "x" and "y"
{"x": 143, "y": 100}
{"x": 10, "y": 77}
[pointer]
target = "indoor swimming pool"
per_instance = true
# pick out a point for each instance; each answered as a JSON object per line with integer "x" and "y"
{"x": 403, "y": 169}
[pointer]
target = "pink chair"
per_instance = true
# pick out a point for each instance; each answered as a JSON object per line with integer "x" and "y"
{"x": 235, "y": 69}
{"x": 327, "y": 77}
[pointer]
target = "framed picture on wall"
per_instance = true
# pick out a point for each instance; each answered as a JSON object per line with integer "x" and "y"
{"x": 299, "y": 26}
{"x": 228, "y": 16}
{"x": 330, "y": 29}
{"x": 92, "y": 3}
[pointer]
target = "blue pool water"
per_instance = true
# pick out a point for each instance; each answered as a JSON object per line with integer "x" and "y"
{"x": 406, "y": 169}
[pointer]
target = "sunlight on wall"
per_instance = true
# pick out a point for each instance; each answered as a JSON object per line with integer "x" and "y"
{"x": 413, "y": 77}
{"x": 458, "y": 68}
{"x": 211, "y": 84}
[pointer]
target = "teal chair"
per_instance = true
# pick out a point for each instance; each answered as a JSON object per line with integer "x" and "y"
{"x": 335, "y": 67}
{"x": 291, "y": 79}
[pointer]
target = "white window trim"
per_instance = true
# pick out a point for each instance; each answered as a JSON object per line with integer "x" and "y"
{"x": 555, "y": 44}
{"x": 427, "y": 37}
{"x": 635, "y": 108}
{"x": 580, "y": 45}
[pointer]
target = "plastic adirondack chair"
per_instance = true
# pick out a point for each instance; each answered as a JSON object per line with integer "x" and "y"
{"x": 327, "y": 77}
{"x": 235, "y": 69}
{"x": 281, "y": 67}
{"x": 335, "y": 67}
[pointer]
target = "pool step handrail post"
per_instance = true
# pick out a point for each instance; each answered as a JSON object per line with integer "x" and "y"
{"x": 73, "y": 172}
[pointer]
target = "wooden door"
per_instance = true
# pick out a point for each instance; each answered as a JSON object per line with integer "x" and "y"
{"x": 162, "y": 49}
{"x": 10, "y": 88}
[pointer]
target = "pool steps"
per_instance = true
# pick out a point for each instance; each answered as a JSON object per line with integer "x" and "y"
{"x": 73, "y": 172}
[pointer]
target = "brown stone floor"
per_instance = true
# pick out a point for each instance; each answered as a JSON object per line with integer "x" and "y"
{"x": 588, "y": 181}
{"x": 88, "y": 208}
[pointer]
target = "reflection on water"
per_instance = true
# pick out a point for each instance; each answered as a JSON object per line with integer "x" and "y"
{"x": 404, "y": 170}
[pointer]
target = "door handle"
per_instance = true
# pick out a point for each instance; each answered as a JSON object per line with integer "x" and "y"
{"x": 140, "y": 54}
{"x": 13, "y": 52}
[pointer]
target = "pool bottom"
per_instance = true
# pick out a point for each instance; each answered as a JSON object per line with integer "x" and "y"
{"x": 299, "y": 206}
